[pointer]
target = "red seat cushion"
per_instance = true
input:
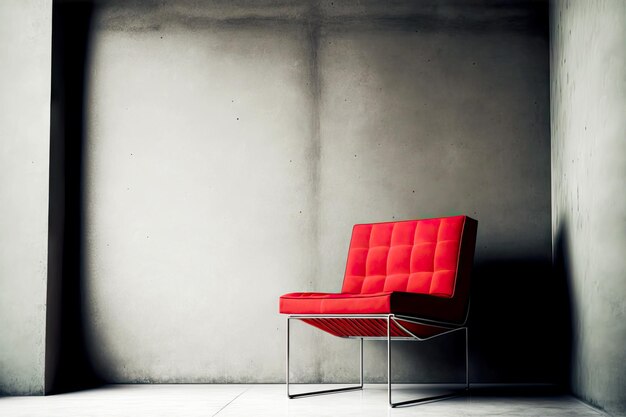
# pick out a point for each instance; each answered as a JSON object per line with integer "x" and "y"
{"x": 341, "y": 303}
{"x": 395, "y": 302}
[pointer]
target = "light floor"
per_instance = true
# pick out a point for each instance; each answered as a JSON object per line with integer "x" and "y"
{"x": 270, "y": 400}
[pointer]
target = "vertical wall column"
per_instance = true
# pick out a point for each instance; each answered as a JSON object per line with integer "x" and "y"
{"x": 588, "y": 100}
{"x": 25, "y": 31}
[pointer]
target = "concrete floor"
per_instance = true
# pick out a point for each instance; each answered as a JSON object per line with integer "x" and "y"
{"x": 270, "y": 400}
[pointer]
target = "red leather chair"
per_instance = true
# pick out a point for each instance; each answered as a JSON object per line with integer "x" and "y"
{"x": 406, "y": 280}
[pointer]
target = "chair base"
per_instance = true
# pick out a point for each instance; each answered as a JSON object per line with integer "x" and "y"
{"x": 389, "y": 319}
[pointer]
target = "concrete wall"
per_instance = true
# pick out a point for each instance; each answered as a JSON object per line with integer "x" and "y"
{"x": 588, "y": 92}
{"x": 430, "y": 117}
{"x": 230, "y": 148}
{"x": 201, "y": 193}
{"x": 25, "y": 33}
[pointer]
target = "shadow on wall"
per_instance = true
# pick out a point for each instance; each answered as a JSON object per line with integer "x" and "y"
{"x": 68, "y": 366}
{"x": 519, "y": 325}
{"x": 563, "y": 280}
{"x": 519, "y": 322}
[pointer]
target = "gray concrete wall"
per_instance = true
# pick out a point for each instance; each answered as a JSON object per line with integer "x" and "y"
{"x": 25, "y": 33}
{"x": 588, "y": 93}
{"x": 422, "y": 121}
{"x": 201, "y": 172}
{"x": 231, "y": 148}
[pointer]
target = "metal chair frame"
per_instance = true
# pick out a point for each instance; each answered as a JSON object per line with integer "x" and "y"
{"x": 396, "y": 319}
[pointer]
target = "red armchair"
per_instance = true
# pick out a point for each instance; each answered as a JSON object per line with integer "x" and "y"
{"x": 406, "y": 280}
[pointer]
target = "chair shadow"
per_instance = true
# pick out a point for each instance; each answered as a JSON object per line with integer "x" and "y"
{"x": 519, "y": 320}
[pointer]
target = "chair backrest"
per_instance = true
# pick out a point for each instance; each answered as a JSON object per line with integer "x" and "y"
{"x": 431, "y": 256}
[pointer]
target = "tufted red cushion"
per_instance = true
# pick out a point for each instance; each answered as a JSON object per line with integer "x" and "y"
{"x": 418, "y": 256}
{"x": 418, "y": 268}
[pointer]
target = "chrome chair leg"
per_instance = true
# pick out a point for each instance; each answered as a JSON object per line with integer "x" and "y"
{"x": 424, "y": 399}
{"x": 467, "y": 387}
{"x": 326, "y": 391}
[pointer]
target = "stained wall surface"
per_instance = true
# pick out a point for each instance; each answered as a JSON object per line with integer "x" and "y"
{"x": 588, "y": 95}
{"x": 25, "y": 36}
{"x": 424, "y": 118}
{"x": 201, "y": 162}
{"x": 230, "y": 149}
